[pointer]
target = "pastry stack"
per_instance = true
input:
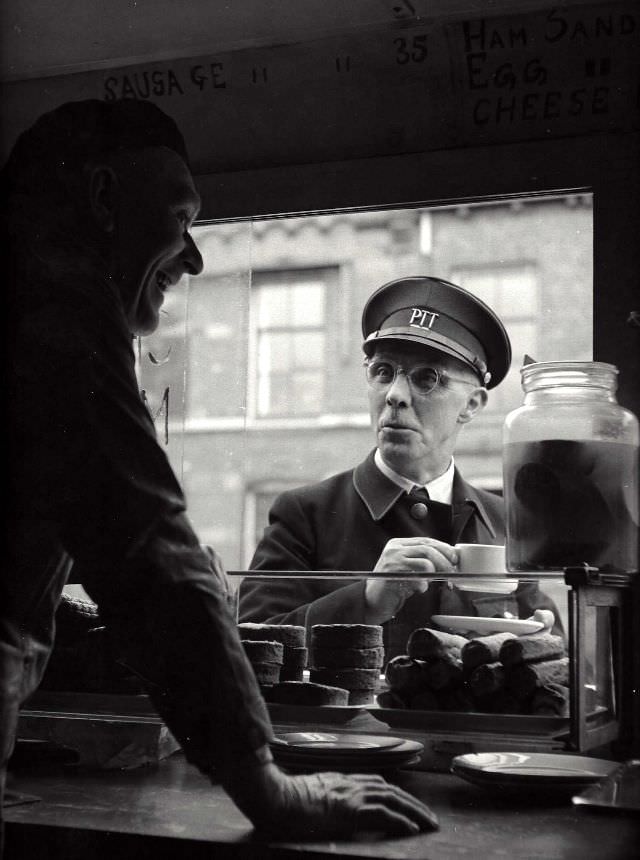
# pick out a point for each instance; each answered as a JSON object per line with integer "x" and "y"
{"x": 292, "y": 639}
{"x": 349, "y": 656}
{"x": 266, "y": 660}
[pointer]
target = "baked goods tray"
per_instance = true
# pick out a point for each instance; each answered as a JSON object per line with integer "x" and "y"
{"x": 398, "y": 719}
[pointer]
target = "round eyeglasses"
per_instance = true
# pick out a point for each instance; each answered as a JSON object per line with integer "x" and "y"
{"x": 423, "y": 379}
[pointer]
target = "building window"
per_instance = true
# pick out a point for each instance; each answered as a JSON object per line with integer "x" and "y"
{"x": 513, "y": 292}
{"x": 289, "y": 341}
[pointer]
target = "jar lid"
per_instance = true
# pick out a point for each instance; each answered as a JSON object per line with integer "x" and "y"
{"x": 547, "y": 374}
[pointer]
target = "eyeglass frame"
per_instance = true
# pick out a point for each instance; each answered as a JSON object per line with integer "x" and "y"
{"x": 442, "y": 376}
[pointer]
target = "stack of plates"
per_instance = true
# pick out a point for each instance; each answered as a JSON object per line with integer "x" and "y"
{"x": 348, "y": 753}
{"x": 548, "y": 774}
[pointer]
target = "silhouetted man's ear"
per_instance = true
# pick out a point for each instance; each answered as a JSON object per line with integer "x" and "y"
{"x": 104, "y": 188}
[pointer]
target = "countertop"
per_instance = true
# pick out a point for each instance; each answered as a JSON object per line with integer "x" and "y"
{"x": 169, "y": 810}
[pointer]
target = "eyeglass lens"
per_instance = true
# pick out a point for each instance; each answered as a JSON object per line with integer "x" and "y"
{"x": 382, "y": 374}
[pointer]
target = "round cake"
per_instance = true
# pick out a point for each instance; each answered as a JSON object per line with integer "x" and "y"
{"x": 263, "y": 652}
{"x": 346, "y": 636}
{"x": 291, "y": 635}
{"x": 306, "y": 693}
{"x": 294, "y": 657}
{"x": 292, "y": 673}
{"x": 350, "y": 679}
{"x": 266, "y": 673}
{"x": 357, "y": 658}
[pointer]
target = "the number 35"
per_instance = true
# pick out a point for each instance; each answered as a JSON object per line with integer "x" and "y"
{"x": 411, "y": 50}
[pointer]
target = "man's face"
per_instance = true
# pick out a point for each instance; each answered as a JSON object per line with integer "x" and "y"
{"x": 152, "y": 247}
{"x": 416, "y": 433}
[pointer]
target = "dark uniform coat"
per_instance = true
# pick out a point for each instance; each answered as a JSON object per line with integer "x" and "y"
{"x": 343, "y": 523}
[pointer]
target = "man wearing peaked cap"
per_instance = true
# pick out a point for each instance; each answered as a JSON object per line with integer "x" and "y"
{"x": 432, "y": 352}
{"x": 436, "y": 313}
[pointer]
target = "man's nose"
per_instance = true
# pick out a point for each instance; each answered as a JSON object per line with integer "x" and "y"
{"x": 399, "y": 392}
{"x": 192, "y": 257}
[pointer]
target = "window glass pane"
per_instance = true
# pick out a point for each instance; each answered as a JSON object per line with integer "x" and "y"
{"x": 519, "y": 292}
{"x": 307, "y": 304}
{"x": 274, "y": 306}
{"x": 267, "y": 340}
{"x": 289, "y": 337}
{"x": 306, "y": 392}
{"x": 482, "y": 284}
{"x": 277, "y": 400}
{"x": 308, "y": 349}
{"x": 275, "y": 352}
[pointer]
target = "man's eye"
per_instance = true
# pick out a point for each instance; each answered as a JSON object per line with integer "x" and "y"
{"x": 381, "y": 371}
{"x": 424, "y": 378}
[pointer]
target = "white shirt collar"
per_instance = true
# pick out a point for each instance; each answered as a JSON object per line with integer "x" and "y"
{"x": 440, "y": 489}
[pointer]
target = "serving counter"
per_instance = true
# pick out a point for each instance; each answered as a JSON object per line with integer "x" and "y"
{"x": 171, "y": 811}
{"x": 130, "y": 793}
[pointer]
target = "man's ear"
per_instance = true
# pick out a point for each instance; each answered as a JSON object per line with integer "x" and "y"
{"x": 476, "y": 401}
{"x": 104, "y": 191}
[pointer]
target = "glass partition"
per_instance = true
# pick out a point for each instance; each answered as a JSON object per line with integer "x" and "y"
{"x": 255, "y": 375}
{"x": 487, "y": 664}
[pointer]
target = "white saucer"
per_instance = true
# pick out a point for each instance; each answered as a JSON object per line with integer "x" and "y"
{"x": 477, "y": 624}
{"x": 511, "y": 770}
{"x": 348, "y": 753}
{"x": 489, "y": 586}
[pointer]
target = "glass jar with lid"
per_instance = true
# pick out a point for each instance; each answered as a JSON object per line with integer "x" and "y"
{"x": 570, "y": 469}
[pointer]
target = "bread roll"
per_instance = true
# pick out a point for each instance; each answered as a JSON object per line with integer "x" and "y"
{"x": 487, "y": 679}
{"x": 483, "y": 649}
{"x": 406, "y": 675}
{"x": 425, "y": 643}
{"x": 523, "y": 680}
{"x": 532, "y": 649}
{"x": 444, "y": 672}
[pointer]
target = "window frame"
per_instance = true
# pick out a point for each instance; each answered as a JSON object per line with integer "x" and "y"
{"x": 329, "y": 276}
{"x": 603, "y": 165}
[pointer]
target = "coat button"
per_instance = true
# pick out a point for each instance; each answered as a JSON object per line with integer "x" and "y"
{"x": 419, "y": 511}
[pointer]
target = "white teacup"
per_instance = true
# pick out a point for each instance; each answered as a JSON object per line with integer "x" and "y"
{"x": 482, "y": 558}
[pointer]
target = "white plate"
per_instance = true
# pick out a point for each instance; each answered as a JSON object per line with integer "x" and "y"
{"x": 310, "y": 742}
{"x": 467, "y": 623}
{"x": 346, "y": 753}
{"x": 531, "y": 770}
{"x": 489, "y": 586}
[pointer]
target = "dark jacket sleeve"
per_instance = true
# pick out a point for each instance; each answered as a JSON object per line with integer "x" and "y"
{"x": 289, "y": 543}
{"x": 95, "y": 468}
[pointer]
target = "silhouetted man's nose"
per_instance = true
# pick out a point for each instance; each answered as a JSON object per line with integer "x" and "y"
{"x": 192, "y": 256}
